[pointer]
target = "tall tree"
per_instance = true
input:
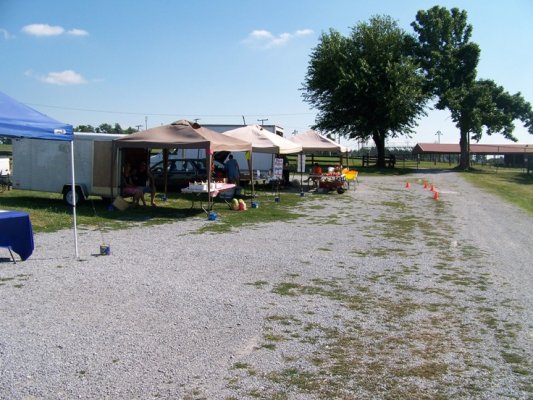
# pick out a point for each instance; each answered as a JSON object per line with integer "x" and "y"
{"x": 449, "y": 61}
{"x": 366, "y": 85}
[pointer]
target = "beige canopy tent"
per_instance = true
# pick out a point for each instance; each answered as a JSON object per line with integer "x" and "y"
{"x": 184, "y": 134}
{"x": 313, "y": 141}
{"x": 264, "y": 141}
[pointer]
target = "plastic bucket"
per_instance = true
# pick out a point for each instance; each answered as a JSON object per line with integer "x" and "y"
{"x": 255, "y": 204}
{"x": 105, "y": 250}
{"x": 212, "y": 216}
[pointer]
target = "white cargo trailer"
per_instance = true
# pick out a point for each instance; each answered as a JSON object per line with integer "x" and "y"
{"x": 44, "y": 165}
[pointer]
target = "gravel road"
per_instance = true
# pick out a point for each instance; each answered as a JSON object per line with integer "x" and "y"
{"x": 379, "y": 293}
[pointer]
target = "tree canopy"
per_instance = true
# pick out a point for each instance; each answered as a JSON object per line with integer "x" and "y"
{"x": 366, "y": 85}
{"x": 104, "y": 128}
{"x": 449, "y": 61}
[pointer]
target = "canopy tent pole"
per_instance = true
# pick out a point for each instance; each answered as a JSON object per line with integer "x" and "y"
{"x": 302, "y": 168}
{"x": 252, "y": 172}
{"x": 165, "y": 169}
{"x": 209, "y": 172}
{"x": 74, "y": 198}
{"x": 249, "y": 158}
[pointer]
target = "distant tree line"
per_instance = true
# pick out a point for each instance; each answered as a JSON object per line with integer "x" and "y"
{"x": 105, "y": 128}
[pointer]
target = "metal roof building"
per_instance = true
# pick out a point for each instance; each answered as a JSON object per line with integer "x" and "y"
{"x": 454, "y": 148}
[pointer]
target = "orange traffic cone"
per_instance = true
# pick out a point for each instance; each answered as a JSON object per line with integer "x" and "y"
{"x": 436, "y": 195}
{"x": 425, "y": 185}
{"x": 432, "y": 188}
{"x": 407, "y": 185}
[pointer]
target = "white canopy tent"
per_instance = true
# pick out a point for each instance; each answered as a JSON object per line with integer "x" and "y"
{"x": 312, "y": 141}
{"x": 264, "y": 141}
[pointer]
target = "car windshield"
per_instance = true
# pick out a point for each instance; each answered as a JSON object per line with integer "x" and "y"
{"x": 175, "y": 166}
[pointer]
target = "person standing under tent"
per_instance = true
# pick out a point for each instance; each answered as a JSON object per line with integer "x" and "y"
{"x": 233, "y": 171}
{"x": 144, "y": 180}
{"x": 129, "y": 188}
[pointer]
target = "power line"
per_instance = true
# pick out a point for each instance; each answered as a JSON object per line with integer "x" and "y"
{"x": 164, "y": 114}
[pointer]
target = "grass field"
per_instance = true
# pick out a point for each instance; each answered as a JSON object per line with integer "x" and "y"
{"x": 513, "y": 186}
{"x": 49, "y": 213}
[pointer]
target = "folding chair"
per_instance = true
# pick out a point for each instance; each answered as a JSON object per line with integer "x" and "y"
{"x": 351, "y": 177}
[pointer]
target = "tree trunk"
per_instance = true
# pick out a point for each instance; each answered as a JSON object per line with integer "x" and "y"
{"x": 464, "y": 160}
{"x": 379, "y": 140}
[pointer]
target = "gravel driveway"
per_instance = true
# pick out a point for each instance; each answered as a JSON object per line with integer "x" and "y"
{"x": 379, "y": 293}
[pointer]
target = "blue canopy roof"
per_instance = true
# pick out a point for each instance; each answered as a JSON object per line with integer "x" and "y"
{"x": 19, "y": 120}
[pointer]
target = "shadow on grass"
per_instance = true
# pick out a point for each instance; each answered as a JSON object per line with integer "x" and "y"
{"x": 49, "y": 213}
{"x": 523, "y": 179}
{"x": 97, "y": 207}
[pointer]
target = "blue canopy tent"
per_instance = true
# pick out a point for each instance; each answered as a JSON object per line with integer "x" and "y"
{"x": 17, "y": 120}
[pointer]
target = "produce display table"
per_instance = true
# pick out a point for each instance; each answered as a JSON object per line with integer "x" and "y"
{"x": 16, "y": 233}
{"x": 332, "y": 181}
{"x": 202, "y": 192}
{"x": 328, "y": 181}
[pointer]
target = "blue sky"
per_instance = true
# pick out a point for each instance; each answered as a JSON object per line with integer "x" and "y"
{"x": 138, "y": 62}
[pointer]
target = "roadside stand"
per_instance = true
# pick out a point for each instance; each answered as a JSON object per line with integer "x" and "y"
{"x": 333, "y": 180}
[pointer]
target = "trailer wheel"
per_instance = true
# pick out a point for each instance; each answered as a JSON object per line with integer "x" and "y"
{"x": 69, "y": 198}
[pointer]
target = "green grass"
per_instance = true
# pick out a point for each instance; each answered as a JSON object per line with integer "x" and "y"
{"x": 511, "y": 185}
{"x": 6, "y": 150}
{"x": 49, "y": 213}
{"x": 267, "y": 211}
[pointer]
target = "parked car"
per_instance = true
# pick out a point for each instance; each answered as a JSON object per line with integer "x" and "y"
{"x": 189, "y": 154}
{"x": 181, "y": 171}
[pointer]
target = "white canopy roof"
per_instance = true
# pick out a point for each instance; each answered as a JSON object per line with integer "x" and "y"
{"x": 264, "y": 141}
{"x": 312, "y": 141}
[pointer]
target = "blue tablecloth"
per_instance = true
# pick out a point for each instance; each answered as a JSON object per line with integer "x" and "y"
{"x": 16, "y": 232}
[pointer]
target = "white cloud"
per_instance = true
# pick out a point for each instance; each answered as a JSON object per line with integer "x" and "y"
{"x": 261, "y": 34}
{"x": 43, "y": 30}
{"x": 265, "y": 39}
{"x": 67, "y": 77}
{"x": 6, "y": 34}
{"x": 48, "y": 30}
{"x": 303, "y": 32}
{"x": 77, "y": 32}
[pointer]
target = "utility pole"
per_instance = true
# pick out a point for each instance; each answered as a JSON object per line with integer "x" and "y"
{"x": 138, "y": 127}
{"x": 439, "y": 134}
{"x": 262, "y": 120}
